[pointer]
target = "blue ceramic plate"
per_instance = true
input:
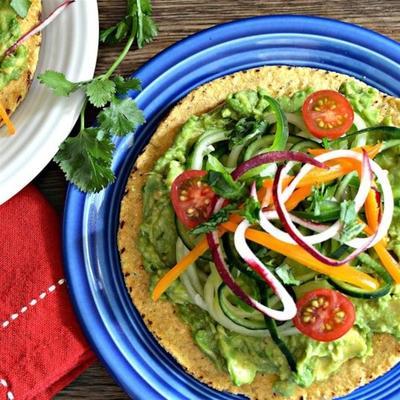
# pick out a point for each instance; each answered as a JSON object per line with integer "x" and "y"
{"x": 110, "y": 321}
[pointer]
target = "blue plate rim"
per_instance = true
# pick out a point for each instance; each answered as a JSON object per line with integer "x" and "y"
{"x": 78, "y": 286}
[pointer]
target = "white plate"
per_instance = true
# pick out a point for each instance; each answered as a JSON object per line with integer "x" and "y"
{"x": 44, "y": 120}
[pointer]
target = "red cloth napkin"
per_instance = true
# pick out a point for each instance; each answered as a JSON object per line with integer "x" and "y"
{"x": 41, "y": 347}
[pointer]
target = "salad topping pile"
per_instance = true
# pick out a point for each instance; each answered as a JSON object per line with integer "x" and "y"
{"x": 284, "y": 216}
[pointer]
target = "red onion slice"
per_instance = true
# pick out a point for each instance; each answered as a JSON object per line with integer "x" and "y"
{"x": 313, "y": 226}
{"x": 275, "y": 156}
{"x": 289, "y": 310}
{"x": 298, "y": 237}
{"x": 38, "y": 27}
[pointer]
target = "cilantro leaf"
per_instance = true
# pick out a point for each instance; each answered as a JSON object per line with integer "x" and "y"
{"x": 145, "y": 6}
{"x": 351, "y": 228}
{"x": 121, "y": 117}
{"x": 326, "y": 143}
{"x": 137, "y": 24}
{"x": 100, "y": 92}
{"x": 147, "y": 31}
{"x": 317, "y": 197}
{"x": 247, "y": 129}
{"x": 57, "y": 81}
{"x": 117, "y": 33}
{"x": 124, "y": 85}
{"x": 215, "y": 220}
{"x": 86, "y": 159}
{"x": 284, "y": 271}
{"x": 21, "y": 7}
{"x": 222, "y": 182}
{"x": 225, "y": 186}
{"x": 251, "y": 210}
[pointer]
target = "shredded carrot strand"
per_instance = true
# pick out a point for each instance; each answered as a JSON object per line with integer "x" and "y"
{"x": 391, "y": 265}
{"x": 165, "y": 282}
{"x": 298, "y": 196}
{"x": 372, "y": 210}
{"x": 6, "y": 119}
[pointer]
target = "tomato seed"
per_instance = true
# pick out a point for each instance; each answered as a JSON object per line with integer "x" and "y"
{"x": 328, "y": 327}
{"x": 315, "y": 303}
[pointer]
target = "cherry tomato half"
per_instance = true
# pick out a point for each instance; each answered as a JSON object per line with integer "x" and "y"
{"x": 192, "y": 198}
{"x": 327, "y": 114}
{"x": 324, "y": 315}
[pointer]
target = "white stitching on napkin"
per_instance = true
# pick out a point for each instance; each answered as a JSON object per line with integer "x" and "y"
{"x": 13, "y": 317}
{"x": 4, "y": 383}
{"x": 23, "y": 309}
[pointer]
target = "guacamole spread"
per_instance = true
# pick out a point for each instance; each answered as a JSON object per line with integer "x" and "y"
{"x": 12, "y": 66}
{"x": 246, "y": 128}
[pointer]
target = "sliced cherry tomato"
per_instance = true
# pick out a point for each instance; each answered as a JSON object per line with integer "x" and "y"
{"x": 192, "y": 198}
{"x": 324, "y": 315}
{"x": 327, "y": 114}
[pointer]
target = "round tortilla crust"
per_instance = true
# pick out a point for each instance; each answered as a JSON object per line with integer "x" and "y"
{"x": 12, "y": 95}
{"x": 175, "y": 336}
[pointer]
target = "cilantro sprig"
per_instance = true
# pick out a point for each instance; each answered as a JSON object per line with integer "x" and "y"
{"x": 351, "y": 227}
{"x": 86, "y": 158}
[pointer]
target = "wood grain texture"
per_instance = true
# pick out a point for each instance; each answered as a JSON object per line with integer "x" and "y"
{"x": 177, "y": 19}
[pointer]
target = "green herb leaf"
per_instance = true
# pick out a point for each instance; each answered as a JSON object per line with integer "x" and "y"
{"x": 147, "y": 31}
{"x": 251, "y": 210}
{"x": 317, "y": 197}
{"x": 348, "y": 216}
{"x": 221, "y": 181}
{"x": 284, "y": 271}
{"x": 100, "y": 92}
{"x": 124, "y": 85}
{"x": 21, "y": 7}
{"x": 215, "y": 220}
{"x": 121, "y": 117}
{"x": 57, "y": 81}
{"x": 138, "y": 24}
{"x": 145, "y": 6}
{"x": 225, "y": 186}
{"x": 86, "y": 159}
{"x": 117, "y": 33}
{"x": 326, "y": 143}
{"x": 247, "y": 129}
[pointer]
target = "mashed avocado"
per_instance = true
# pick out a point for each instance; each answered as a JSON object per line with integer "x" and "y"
{"x": 239, "y": 355}
{"x": 12, "y": 66}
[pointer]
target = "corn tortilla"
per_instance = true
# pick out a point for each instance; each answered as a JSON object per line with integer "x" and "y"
{"x": 175, "y": 336}
{"x": 12, "y": 95}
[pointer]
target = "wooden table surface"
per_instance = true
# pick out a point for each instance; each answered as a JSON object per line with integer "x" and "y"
{"x": 177, "y": 19}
